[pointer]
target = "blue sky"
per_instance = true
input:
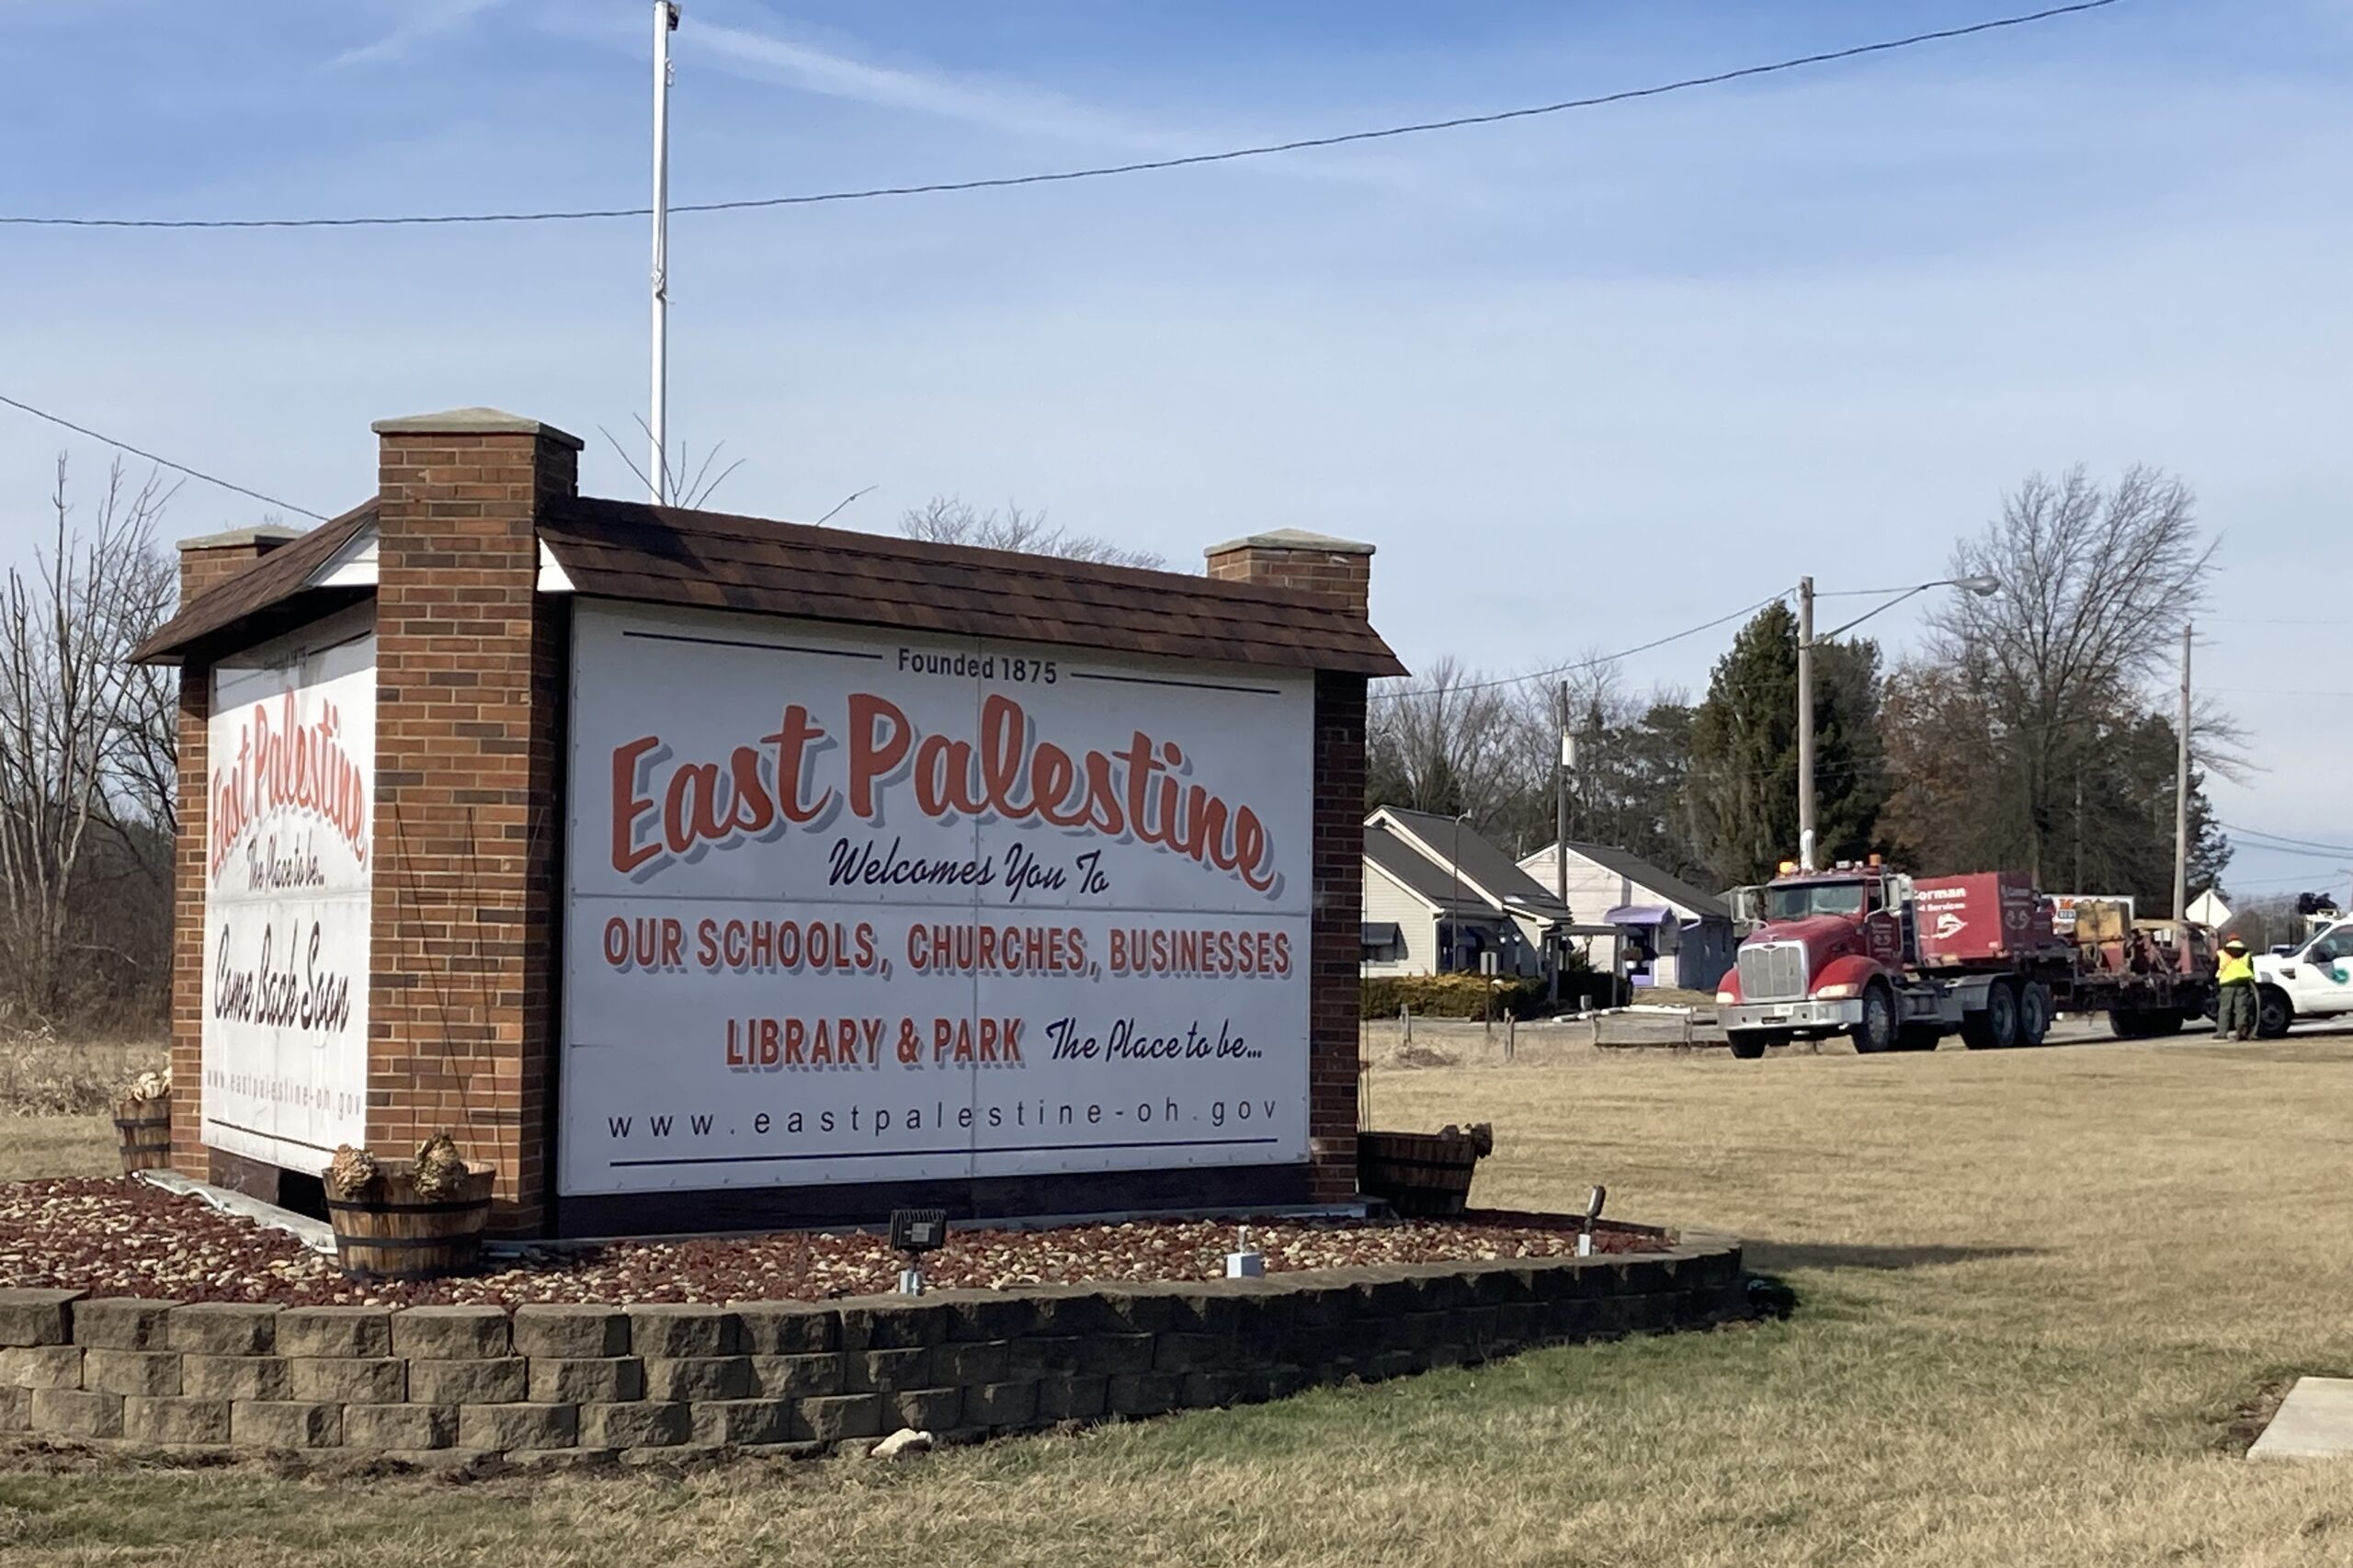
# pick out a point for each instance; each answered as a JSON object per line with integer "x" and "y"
{"x": 1583, "y": 380}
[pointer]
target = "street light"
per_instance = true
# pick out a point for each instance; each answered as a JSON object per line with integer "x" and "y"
{"x": 1983, "y": 587}
{"x": 1454, "y": 915}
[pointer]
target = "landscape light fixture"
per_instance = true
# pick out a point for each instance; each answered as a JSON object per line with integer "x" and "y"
{"x": 915, "y": 1232}
{"x": 1592, "y": 1215}
{"x": 1242, "y": 1263}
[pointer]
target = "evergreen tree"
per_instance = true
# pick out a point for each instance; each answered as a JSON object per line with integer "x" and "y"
{"x": 1742, "y": 792}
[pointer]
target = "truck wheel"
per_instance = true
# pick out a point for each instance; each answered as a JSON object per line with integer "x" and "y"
{"x": 2273, "y": 1013}
{"x": 1747, "y": 1045}
{"x": 2130, "y": 1023}
{"x": 2034, "y": 1012}
{"x": 1878, "y": 1030}
{"x": 1995, "y": 1029}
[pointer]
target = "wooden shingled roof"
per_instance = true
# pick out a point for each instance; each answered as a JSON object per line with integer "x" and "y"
{"x": 257, "y": 604}
{"x": 628, "y": 549}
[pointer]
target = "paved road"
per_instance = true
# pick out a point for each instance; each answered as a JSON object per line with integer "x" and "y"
{"x": 2071, "y": 1030}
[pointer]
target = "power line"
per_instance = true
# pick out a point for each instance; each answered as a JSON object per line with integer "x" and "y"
{"x": 2282, "y": 844}
{"x": 1601, "y": 659}
{"x": 2244, "y": 842}
{"x": 2303, "y": 884}
{"x": 163, "y": 462}
{"x": 1058, "y": 176}
{"x": 2263, "y": 621}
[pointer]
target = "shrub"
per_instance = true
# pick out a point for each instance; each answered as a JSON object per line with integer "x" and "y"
{"x": 1453, "y": 995}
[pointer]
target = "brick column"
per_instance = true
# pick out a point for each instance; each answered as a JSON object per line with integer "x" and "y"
{"x": 1339, "y": 570}
{"x": 1336, "y": 941}
{"x": 469, "y": 664}
{"x": 205, "y": 563}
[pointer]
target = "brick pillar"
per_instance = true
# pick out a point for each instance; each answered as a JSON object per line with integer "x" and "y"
{"x": 205, "y": 563}
{"x": 468, "y": 675}
{"x": 1336, "y": 939}
{"x": 1339, "y": 570}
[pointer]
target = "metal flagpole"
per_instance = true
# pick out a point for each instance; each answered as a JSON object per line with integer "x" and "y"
{"x": 2181, "y": 794}
{"x": 657, "y": 472}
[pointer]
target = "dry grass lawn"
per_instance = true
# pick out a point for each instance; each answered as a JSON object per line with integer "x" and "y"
{"x": 2035, "y": 1289}
{"x": 54, "y": 1096}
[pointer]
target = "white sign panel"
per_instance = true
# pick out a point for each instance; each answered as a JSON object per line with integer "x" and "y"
{"x": 849, "y": 906}
{"x": 290, "y": 750}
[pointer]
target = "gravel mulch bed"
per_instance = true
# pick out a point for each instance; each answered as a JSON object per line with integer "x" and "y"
{"x": 119, "y": 1237}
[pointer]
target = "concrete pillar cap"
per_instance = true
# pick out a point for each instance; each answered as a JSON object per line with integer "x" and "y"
{"x": 242, "y": 539}
{"x": 473, "y": 422}
{"x": 1292, "y": 538}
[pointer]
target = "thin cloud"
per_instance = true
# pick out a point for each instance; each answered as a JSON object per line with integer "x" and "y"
{"x": 999, "y": 105}
{"x": 419, "y": 23}
{"x": 1012, "y": 107}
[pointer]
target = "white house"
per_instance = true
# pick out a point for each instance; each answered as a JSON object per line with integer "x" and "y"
{"x": 1438, "y": 898}
{"x": 1658, "y": 922}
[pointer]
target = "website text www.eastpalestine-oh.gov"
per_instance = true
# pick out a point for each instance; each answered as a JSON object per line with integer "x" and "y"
{"x": 1163, "y": 1118}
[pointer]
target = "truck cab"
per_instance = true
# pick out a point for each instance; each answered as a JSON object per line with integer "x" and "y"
{"x": 2313, "y": 981}
{"x": 1825, "y": 960}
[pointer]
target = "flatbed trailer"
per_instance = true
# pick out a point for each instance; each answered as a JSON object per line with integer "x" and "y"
{"x": 1898, "y": 965}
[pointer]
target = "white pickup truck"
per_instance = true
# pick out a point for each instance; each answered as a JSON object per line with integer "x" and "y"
{"x": 2314, "y": 981}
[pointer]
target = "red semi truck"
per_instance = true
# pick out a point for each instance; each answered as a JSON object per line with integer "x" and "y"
{"x": 1898, "y": 964}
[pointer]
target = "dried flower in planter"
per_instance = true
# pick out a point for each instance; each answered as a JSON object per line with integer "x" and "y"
{"x": 1481, "y": 1133}
{"x": 440, "y": 1170}
{"x": 351, "y": 1172}
{"x": 143, "y": 1122}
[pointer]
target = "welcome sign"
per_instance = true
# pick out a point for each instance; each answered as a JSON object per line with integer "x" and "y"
{"x": 289, "y": 802}
{"x": 851, "y": 906}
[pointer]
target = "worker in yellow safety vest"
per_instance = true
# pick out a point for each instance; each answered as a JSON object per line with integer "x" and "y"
{"x": 2234, "y": 1018}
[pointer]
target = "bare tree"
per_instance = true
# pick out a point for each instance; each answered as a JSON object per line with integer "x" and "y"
{"x": 2095, "y": 584}
{"x": 72, "y": 711}
{"x": 1446, "y": 741}
{"x": 146, "y": 766}
{"x": 944, "y": 519}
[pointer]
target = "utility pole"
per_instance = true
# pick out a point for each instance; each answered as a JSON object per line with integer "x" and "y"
{"x": 2079, "y": 827}
{"x": 657, "y": 472}
{"x": 1564, "y": 760}
{"x": 1561, "y": 801}
{"x": 1805, "y": 724}
{"x": 2181, "y": 794}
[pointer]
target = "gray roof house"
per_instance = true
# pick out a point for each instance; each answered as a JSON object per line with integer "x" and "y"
{"x": 1438, "y": 898}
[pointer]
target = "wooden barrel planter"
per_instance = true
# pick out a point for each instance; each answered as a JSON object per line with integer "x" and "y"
{"x": 144, "y": 1130}
{"x": 1423, "y": 1176}
{"x": 392, "y": 1231}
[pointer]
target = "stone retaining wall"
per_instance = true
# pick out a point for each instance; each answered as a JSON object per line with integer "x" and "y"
{"x": 646, "y": 1380}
